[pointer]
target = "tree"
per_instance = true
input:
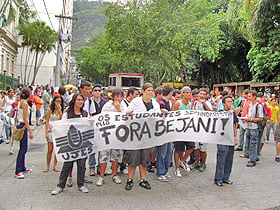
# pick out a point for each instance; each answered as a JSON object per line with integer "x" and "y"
{"x": 168, "y": 32}
{"x": 40, "y": 39}
{"x": 264, "y": 56}
{"x": 95, "y": 61}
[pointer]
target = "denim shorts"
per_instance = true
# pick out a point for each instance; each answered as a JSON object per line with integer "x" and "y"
{"x": 38, "y": 113}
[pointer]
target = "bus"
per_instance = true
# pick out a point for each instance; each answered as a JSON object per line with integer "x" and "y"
{"x": 126, "y": 80}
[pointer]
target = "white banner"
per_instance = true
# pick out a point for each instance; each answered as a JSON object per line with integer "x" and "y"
{"x": 79, "y": 137}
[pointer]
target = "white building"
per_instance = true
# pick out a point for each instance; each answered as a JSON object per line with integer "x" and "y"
{"x": 47, "y": 11}
{"x": 9, "y": 36}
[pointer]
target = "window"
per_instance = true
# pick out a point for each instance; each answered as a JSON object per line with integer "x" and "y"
{"x": 128, "y": 82}
{"x": 112, "y": 81}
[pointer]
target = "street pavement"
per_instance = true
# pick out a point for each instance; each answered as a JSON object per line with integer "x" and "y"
{"x": 253, "y": 188}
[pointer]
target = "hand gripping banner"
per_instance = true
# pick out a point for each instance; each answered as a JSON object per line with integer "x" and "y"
{"x": 79, "y": 137}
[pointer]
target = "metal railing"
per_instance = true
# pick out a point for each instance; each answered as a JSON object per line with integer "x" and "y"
{"x": 6, "y": 81}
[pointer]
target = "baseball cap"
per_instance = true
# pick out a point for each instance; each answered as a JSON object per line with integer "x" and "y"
{"x": 186, "y": 88}
{"x": 97, "y": 85}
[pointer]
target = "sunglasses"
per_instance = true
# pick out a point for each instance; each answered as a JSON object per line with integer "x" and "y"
{"x": 97, "y": 90}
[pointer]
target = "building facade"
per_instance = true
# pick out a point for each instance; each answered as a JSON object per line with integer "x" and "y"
{"x": 9, "y": 20}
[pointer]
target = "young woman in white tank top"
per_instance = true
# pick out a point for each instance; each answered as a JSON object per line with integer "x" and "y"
{"x": 54, "y": 113}
{"x": 22, "y": 121}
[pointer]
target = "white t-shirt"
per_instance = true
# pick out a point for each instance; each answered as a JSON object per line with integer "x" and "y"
{"x": 8, "y": 103}
{"x": 109, "y": 107}
{"x": 199, "y": 106}
{"x": 90, "y": 109}
{"x": 252, "y": 114}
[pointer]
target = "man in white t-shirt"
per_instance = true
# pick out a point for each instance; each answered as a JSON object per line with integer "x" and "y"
{"x": 255, "y": 114}
{"x": 201, "y": 149}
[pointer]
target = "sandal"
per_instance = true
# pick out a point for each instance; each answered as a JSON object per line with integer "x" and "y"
{"x": 45, "y": 171}
{"x": 56, "y": 170}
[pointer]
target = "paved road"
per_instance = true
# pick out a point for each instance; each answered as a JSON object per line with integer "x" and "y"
{"x": 253, "y": 188}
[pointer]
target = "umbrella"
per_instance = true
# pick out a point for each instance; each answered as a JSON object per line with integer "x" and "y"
{"x": 69, "y": 86}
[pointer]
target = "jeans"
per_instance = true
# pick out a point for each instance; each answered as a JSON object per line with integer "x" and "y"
{"x": 270, "y": 125}
{"x": 259, "y": 141}
{"x": 241, "y": 138}
{"x": 92, "y": 161}
{"x": 8, "y": 131}
{"x": 67, "y": 168}
{"x": 252, "y": 136}
{"x": 224, "y": 162}
{"x": 20, "y": 164}
{"x": 164, "y": 157}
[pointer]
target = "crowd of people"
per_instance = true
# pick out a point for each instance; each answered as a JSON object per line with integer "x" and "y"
{"x": 255, "y": 115}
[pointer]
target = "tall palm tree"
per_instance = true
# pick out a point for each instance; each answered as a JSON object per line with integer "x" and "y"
{"x": 43, "y": 41}
{"x": 38, "y": 38}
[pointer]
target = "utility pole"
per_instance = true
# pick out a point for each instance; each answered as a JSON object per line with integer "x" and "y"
{"x": 59, "y": 49}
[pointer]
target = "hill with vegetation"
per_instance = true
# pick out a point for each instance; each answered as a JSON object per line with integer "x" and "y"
{"x": 90, "y": 23}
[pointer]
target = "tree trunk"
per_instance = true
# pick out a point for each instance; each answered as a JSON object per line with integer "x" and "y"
{"x": 30, "y": 69}
{"x": 21, "y": 60}
{"x": 35, "y": 67}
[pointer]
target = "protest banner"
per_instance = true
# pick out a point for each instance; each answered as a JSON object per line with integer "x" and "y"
{"x": 113, "y": 130}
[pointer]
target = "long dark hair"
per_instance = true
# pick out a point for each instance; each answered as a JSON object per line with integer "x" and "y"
{"x": 25, "y": 93}
{"x": 52, "y": 107}
{"x": 70, "y": 111}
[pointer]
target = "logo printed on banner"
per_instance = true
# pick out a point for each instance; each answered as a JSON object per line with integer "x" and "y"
{"x": 75, "y": 143}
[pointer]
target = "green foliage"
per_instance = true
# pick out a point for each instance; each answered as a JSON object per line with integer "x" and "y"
{"x": 26, "y": 15}
{"x": 198, "y": 40}
{"x": 166, "y": 32}
{"x": 95, "y": 61}
{"x": 264, "y": 56}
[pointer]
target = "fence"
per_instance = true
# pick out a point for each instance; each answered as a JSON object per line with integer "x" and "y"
{"x": 6, "y": 81}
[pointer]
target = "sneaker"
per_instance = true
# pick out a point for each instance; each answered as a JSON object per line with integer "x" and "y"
{"x": 108, "y": 171}
{"x": 187, "y": 167}
{"x": 178, "y": 172}
{"x": 92, "y": 172}
{"x": 129, "y": 184}
{"x": 162, "y": 178}
{"x": 116, "y": 179}
{"x": 238, "y": 149}
{"x": 251, "y": 164}
{"x": 244, "y": 156}
{"x": 202, "y": 168}
{"x": 57, "y": 190}
{"x": 100, "y": 181}
{"x": 168, "y": 176}
{"x": 182, "y": 165}
{"x": 266, "y": 141}
{"x": 125, "y": 171}
{"x": 219, "y": 184}
{"x": 277, "y": 159}
{"x": 11, "y": 152}
{"x": 191, "y": 161}
{"x": 150, "y": 169}
{"x": 69, "y": 182}
{"x": 196, "y": 166}
{"x": 27, "y": 171}
{"x": 19, "y": 176}
{"x": 145, "y": 184}
{"x": 84, "y": 189}
{"x": 87, "y": 180}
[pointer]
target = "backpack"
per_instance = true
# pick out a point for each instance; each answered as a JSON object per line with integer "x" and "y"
{"x": 195, "y": 103}
{"x": 261, "y": 124}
